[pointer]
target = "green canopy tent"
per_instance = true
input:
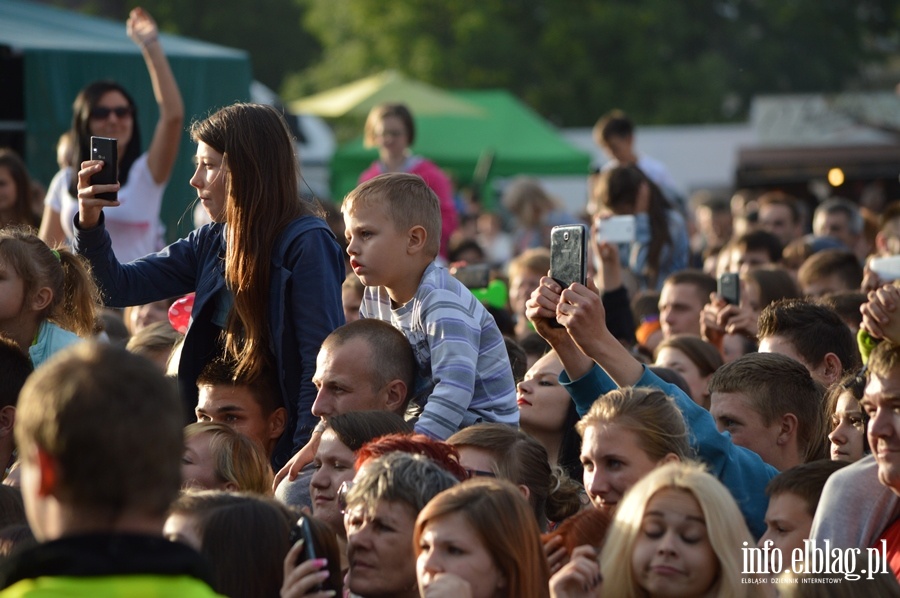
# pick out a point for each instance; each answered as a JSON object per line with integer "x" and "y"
{"x": 47, "y": 55}
{"x": 509, "y": 139}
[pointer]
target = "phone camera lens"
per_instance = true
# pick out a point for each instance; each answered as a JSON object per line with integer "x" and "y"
{"x": 565, "y": 236}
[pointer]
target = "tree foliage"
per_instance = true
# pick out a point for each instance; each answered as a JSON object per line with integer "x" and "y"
{"x": 662, "y": 61}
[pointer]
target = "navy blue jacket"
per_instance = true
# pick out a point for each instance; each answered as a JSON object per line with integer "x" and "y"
{"x": 304, "y": 303}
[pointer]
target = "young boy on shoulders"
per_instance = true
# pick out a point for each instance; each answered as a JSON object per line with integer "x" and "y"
{"x": 393, "y": 228}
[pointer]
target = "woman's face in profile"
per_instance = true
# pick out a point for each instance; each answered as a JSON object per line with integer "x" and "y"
{"x": 210, "y": 181}
{"x": 198, "y": 465}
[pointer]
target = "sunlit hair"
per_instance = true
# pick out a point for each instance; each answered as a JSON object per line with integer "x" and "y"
{"x": 813, "y": 329}
{"x": 21, "y": 207}
{"x": 75, "y": 295}
{"x": 263, "y": 388}
{"x": 647, "y": 412}
{"x": 440, "y": 452}
{"x": 884, "y": 360}
{"x": 617, "y": 190}
{"x": 261, "y": 180}
{"x": 775, "y": 385}
{"x": 382, "y": 111}
{"x": 407, "y": 201}
{"x": 158, "y": 337}
{"x": 237, "y": 459}
{"x": 113, "y": 424}
{"x": 522, "y": 460}
{"x": 412, "y": 480}
{"x": 725, "y": 527}
{"x": 497, "y": 512}
{"x": 355, "y": 428}
{"x": 80, "y": 133}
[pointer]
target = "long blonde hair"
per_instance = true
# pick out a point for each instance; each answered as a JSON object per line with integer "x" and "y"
{"x": 725, "y": 526}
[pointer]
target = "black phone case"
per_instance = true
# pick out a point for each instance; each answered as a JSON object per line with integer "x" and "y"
{"x": 729, "y": 288}
{"x": 106, "y": 149}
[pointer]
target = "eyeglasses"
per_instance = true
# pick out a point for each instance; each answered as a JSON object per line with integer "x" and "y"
{"x": 102, "y": 113}
{"x": 342, "y": 493}
{"x": 478, "y": 473}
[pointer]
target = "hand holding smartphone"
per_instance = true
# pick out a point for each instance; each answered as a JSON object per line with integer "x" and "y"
{"x": 106, "y": 149}
{"x": 302, "y": 531}
{"x": 729, "y": 288}
{"x": 568, "y": 254}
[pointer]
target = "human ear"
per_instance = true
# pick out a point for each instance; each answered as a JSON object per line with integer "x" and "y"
{"x": 418, "y": 236}
{"x": 396, "y": 396}
{"x": 47, "y": 473}
{"x": 41, "y": 298}
{"x": 277, "y": 422}
{"x": 788, "y": 429}
{"x": 7, "y": 420}
{"x": 832, "y": 368}
{"x": 670, "y": 458}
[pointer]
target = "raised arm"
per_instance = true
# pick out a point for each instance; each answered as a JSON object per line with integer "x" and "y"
{"x": 163, "y": 150}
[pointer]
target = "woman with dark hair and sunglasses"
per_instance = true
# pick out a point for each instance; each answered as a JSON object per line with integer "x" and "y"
{"x": 105, "y": 109}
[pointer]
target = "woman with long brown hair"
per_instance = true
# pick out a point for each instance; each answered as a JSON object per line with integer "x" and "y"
{"x": 267, "y": 271}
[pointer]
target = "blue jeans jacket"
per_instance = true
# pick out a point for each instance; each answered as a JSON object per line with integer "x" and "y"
{"x": 304, "y": 303}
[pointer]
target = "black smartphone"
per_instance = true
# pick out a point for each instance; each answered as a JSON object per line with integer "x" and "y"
{"x": 568, "y": 256}
{"x": 106, "y": 149}
{"x": 301, "y": 530}
{"x": 475, "y": 276}
{"x": 729, "y": 288}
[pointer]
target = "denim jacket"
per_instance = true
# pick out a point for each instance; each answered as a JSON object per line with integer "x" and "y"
{"x": 304, "y": 303}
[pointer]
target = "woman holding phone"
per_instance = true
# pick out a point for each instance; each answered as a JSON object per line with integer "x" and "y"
{"x": 105, "y": 109}
{"x": 268, "y": 290}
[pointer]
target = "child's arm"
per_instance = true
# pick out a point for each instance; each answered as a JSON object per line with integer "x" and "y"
{"x": 465, "y": 377}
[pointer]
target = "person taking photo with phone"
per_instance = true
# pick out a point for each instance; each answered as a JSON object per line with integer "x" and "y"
{"x": 661, "y": 245}
{"x": 268, "y": 290}
{"x": 106, "y": 109}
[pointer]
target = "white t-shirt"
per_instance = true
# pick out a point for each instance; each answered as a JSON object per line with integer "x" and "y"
{"x": 134, "y": 226}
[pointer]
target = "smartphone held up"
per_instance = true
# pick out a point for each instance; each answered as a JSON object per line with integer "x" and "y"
{"x": 568, "y": 254}
{"x": 616, "y": 229}
{"x": 106, "y": 149}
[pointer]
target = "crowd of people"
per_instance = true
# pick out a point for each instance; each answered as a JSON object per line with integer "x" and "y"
{"x": 280, "y": 404}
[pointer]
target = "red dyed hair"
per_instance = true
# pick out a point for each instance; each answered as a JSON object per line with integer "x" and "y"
{"x": 438, "y": 451}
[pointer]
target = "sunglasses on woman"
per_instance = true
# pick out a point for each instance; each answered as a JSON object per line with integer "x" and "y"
{"x": 102, "y": 113}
